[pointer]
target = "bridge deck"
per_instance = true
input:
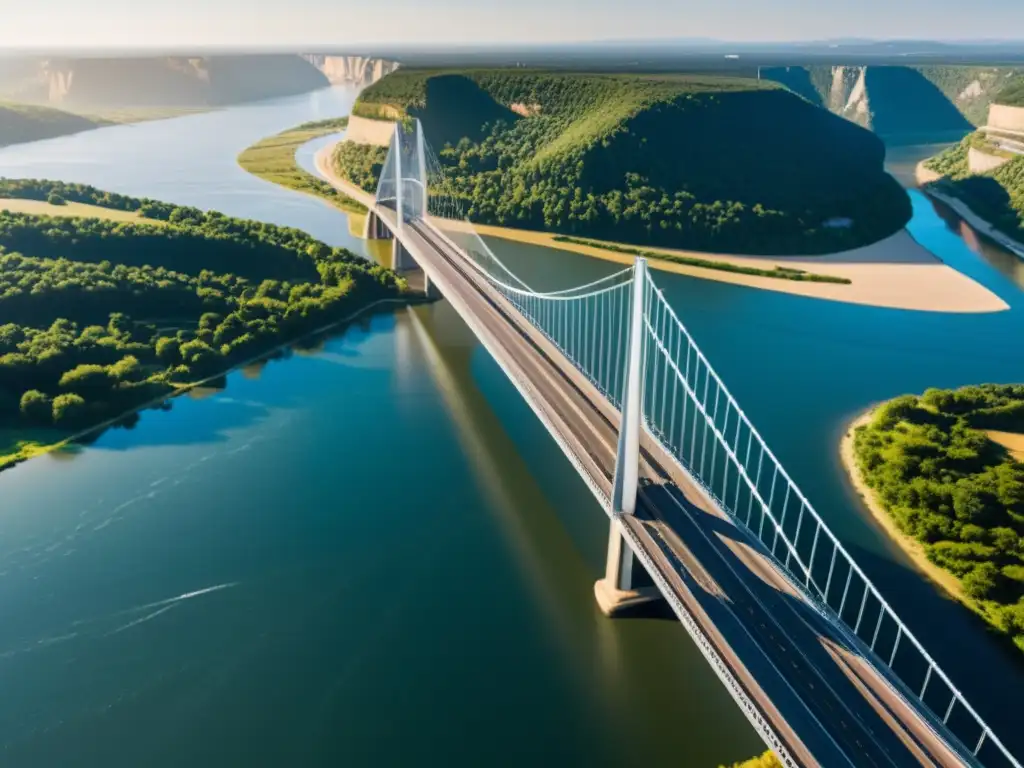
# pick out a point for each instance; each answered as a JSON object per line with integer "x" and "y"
{"x": 826, "y": 703}
{"x": 790, "y": 669}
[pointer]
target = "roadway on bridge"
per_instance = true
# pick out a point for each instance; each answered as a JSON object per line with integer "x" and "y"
{"x": 825, "y": 702}
{"x": 809, "y": 682}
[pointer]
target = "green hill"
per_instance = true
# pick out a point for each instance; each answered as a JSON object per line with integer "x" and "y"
{"x": 21, "y": 122}
{"x": 708, "y": 163}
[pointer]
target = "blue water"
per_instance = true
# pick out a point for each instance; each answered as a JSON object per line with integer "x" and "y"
{"x": 372, "y": 553}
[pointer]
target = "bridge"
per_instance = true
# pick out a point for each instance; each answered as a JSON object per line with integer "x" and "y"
{"x": 702, "y": 514}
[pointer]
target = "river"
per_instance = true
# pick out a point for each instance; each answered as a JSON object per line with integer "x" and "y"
{"x": 370, "y": 552}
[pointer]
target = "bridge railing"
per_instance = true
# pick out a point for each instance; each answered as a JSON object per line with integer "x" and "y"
{"x": 698, "y": 421}
{"x": 690, "y": 411}
{"x": 589, "y": 324}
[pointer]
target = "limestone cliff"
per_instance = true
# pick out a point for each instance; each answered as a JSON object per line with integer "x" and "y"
{"x": 360, "y": 71}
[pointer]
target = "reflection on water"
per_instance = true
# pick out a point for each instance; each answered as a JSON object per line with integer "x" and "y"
{"x": 411, "y": 557}
{"x": 902, "y": 162}
{"x": 1007, "y": 263}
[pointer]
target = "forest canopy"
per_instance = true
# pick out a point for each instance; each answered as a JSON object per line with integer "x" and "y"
{"x": 937, "y": 470}
{"x": 713, "y": 164}
{"x": 100, "y": 316}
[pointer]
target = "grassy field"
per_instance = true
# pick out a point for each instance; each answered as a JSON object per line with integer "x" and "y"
{"x": 273, "y": 159}
{"x": 76, "y": 210}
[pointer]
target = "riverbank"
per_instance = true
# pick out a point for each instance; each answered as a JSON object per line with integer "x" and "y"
{"x": 273, "y": 159}
{"x": 895, "y": 273}
{"x": 23, "y": 123}
{"x": 908, "y": 545}
{"x": 30, "y": 449}
{"x": 926, "y": 179}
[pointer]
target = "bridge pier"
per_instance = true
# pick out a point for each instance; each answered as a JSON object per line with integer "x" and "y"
{"x": 401, "y": 259}
{"x": 429, "y": 289}
{"x": 375, "y": 229}
{"x": 618, "y": 591}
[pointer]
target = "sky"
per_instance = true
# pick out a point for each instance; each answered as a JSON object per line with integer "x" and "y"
{"x": 308, "y": 23}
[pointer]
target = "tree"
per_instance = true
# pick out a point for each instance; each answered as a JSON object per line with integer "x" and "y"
{"x": 168, "y": 350}
{"x": 127, "y": 368}
{"x": 36, "y": 407}
{"x": 982, "y": 582}
{"x": 56, "y": 199}
{"x": 69, "y": 410}
{"x": 91, "y": 380}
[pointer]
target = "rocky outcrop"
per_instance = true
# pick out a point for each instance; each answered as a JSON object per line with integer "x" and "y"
{"x": 849, "y": 94}
{"x": 359, "y": 71}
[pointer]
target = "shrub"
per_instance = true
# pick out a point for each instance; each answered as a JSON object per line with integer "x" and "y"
{"x": 69, "y": 410}
{"x": 36, "y": 407}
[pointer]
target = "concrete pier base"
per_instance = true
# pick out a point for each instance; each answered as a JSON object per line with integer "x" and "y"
{"x": 617, "y": 591}
{"x": 614, "y": 601}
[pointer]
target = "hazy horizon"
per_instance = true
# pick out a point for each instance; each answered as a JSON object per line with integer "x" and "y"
{"x": 125, "y": 24}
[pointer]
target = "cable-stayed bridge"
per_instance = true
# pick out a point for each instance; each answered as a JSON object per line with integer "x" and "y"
{"x": 807, "y": 646}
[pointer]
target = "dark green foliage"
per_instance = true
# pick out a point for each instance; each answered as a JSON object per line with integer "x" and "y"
{"x": 674, "y": 161}
{"x": 949, "y": 486}
{"x": 96, "y": 323}
{"x": 70, "y": 411}
{"x": 36, "y": 407}
{"x": 361, "y": 163}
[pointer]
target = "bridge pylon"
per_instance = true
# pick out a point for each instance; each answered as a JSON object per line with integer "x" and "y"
{"x": 618, "y": 590}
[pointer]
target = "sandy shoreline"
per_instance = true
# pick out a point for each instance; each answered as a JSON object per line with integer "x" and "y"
{"x": 910, "y": 546}
{"x": 894, "y": 273}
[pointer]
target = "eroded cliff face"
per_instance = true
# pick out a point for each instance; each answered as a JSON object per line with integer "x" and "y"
{"x": 848, "y": 95}
{"x": 359, "y": 71}
{"x": 900, "y": 102}
{"x": 157, "y": 81}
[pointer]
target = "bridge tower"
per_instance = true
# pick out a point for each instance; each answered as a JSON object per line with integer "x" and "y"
{"x": 618, "y": 590}
{"x": 403, "y": 188}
